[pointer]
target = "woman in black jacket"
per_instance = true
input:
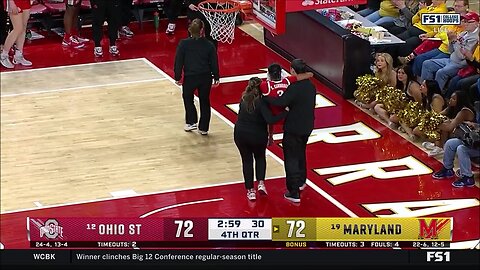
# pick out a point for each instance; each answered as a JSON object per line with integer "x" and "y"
{"x": 251, "y": 135}
{"x": 196, "y": 58}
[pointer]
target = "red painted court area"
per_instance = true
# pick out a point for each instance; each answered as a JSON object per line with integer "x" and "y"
{"x": 384, "y": 175}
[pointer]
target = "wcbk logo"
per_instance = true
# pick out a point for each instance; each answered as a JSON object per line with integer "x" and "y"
{"x": 438, "y": 256}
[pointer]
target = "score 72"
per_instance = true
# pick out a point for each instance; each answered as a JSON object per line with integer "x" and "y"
{"x": 300, "y": 224}
{"x": 186, "y": 226}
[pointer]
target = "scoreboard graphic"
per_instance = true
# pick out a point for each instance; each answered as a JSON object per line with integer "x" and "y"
{"x": 137, "y": 233}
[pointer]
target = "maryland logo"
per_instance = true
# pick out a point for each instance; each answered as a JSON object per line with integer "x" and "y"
{"x": 432, "y": 230}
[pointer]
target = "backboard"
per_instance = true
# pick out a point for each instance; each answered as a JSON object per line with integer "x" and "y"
{"x": 271, "y": 14}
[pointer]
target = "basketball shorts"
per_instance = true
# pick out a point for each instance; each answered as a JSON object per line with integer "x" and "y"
{"x": 73, "y": 2}
{"x": 21, "y": 4}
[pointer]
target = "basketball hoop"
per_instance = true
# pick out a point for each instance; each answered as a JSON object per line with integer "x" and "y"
{"x": 221, "y": 15}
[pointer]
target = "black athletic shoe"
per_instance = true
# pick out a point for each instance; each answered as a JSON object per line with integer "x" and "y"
{"x": 292, "y": 197}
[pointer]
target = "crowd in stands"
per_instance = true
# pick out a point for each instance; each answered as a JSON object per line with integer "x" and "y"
{"x": 427, "y": 86}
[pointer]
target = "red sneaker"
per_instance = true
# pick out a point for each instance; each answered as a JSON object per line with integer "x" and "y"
{"x": 72, "y": 42}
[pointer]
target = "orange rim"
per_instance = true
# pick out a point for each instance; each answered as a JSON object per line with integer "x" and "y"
{"x": 235, "y": 6}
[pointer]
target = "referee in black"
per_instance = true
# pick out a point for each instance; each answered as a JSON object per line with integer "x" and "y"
{"x": 197, "y": 58}
{"x": 300, "y": 99}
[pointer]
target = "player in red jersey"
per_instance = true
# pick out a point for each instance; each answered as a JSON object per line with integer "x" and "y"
{"x": 19, "y": 13}
{"x": 275, "y": 86}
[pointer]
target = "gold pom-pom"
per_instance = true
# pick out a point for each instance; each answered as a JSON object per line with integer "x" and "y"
{"x": 393, "y": 100}
{"x": 429, "y": 124}
{"x": 411, "y": 114}
{"x": 367, "y": 88}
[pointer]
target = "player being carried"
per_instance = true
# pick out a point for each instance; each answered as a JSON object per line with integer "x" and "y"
{"x": 276, "y": 84}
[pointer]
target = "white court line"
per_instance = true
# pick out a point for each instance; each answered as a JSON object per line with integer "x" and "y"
{"x": 123, "y": 193}
{"x": 38, "y": 204}
{"x": 178, "y": 205}
{"x": 68, "y": 66}
{"x": 138, "y": 195}
{"x": 81, "y": 87}
{"x": 279, "y": 160}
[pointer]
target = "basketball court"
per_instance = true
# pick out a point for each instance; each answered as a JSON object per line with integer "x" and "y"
{"x": 82, "y": 137}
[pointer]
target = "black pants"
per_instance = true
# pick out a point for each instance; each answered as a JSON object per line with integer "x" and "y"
{"x": 294, "y": 147}
{"x": 251, "y": 147}
{"x": 172, "y": 9}
{"x": 191, "y": 15}
{"x": 126, "y": 12}
{"x": 202, "y": 83}
{"x": 109, "y": 10}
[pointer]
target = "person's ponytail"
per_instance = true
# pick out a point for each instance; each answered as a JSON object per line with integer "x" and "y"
{"x": 252, "y": 93}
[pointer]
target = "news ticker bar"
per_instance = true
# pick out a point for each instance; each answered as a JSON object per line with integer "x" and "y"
{"x": 241, "y": 257}
{"x": 247, "y": 229}
{"x": 239, "y": 244}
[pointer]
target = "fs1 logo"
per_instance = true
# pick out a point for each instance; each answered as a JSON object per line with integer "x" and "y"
{"x": 432, "y": 229}
{"x": 438, "y": 256}
{"x": 441, "y": 18}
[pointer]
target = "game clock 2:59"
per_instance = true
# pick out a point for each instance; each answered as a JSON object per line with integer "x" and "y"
{"x": 228, "y": 223}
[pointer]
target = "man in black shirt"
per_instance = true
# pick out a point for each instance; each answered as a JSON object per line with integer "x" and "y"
{"x": 197, "y": 58}
{"x": 300, "y": 99}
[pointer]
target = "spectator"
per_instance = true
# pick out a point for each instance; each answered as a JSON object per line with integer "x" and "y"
{"x": 414, "y": 34}
{"x": 460, "y": 7}
{"x": 387, "y": 13}
{"x": 464, "y": 82}
{"x": 465, "y": 154}
{"x": 407, "y": 9}
{"x": 445, "y": 68}
{"x": 372, "y": 6}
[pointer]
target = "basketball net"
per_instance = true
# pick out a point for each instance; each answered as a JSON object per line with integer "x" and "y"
{"x": 221, "y": 15}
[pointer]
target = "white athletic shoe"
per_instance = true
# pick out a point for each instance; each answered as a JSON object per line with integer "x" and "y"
{"x": 428, "y": 145}
{"x": 98, "y": 51}
{"x": 6, "y": 61}
{"x": 251, "y": 195}
{"x": 190, "y": 127}
{"x": 170, "y": 29}
{"x": 261, "y": 188}
{"x": 19, "y": 59}
{"x": 114, "y": 50}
